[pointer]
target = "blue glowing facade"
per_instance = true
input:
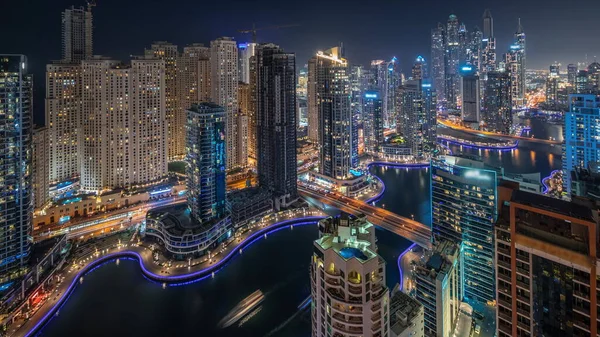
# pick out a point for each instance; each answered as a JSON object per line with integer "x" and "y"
{"x": 464, "y": 209}
{"x": 205, "y": 158}
{"x": 581, "y": 148}
{"x": 16, "y": 204}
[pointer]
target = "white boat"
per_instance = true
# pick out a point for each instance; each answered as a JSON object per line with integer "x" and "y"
{"x": 242, "y": 309}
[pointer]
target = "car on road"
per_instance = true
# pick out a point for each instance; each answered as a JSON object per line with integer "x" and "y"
{"x": 477, "y": 329}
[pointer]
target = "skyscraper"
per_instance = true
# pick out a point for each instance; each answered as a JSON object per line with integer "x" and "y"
{"x": 373, "y": 121}
{"x": 464, "y": 42}
{"x": 515, "y": 65}
{"x": 497, "y": 105}
{"x": 63, "y": 116}
{"x": 195, "y": 228}
{"x": 175, "y": 116}
{"x": 205, "y": 155}
{"x": 471, "y": 103}
{"x": 488, "y": 24}
{"x": 546, "y": 263}
{"x": 474, "y": 49}
{"x": 411, "y": 113}
{"x": 392, "y": 82}
{"x": 314, "y": 125}
{"x": 16, "y": 205}
{"x": 464, "y": 209}
{"x": 451, "y": 62}
{"x": 276, "y": 123}
{"x": 581, "y": 148}
{"x": 332, "y": 90}
{"x": 347, "y": 280}
{"x": 571, "y": 75}
{"x": 40, "y": 167}
{"x": 428, "y": 120}
{"x": 77, "y": 43}
{"x": 438, "y": 68}
{"x": 224, "y": 85}
{"x": 488, "y": 56}
{"x": 246, "y": 51}
{"x": 419, "y": 69}
{"x": 127, "y": 147}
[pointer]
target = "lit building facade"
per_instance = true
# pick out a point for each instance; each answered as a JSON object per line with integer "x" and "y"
{"x": 372, "y": 122}
{"x": 464, "y": 209}
{"x": 497, "y": 104}
{"x": 63, "y": 116}
{"x": 77, "y": 34}
{"x": 439, "y": 289}
{"x": 471, "y": 98}
{"x": 200, "y": 225}
{"x": 438, "y": 69}
{"x": 451, "y": 63}
{"x": 348, "y": 288}
{"x": 205, "y": 156}
{"x": 335, "y": 117}
{"x": 224, "y": 86}
{"x": 417, "y": 103}
{"x": 546, "y": 258}
{"x": 245, "y": 52}
{"x": 127, "y": 147}
{"x": 175, "y": 116}
{"x": 515, "y": 65}
{"x": 314, "y": 125}
{"x": 276, "y": 123}
{"x": 581, "y": 133}
{"x": 16, "y": 205}
{"x": 40, "y": 167}
{"x": 411, "y": 110}
{"x": 193, "y": 82}
{"x": 488, "y": 55}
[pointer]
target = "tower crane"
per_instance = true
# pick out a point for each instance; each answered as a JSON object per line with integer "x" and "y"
{"x": 254, "y": 29}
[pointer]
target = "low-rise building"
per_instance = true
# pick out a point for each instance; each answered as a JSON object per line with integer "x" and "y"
{"x": 248, "y": 204}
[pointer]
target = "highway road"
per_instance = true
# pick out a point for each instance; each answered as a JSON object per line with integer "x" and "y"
{"x": 495, "y": 135}
{"x": 410, "y": 229}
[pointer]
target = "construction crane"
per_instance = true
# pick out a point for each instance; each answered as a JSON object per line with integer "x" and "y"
{"x": 254, "y": 29}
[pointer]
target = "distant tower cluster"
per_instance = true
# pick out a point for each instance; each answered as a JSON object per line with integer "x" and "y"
{"x": 453, "y": 49}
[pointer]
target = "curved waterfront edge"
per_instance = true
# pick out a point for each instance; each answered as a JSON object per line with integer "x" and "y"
{"x": 171, "y": 280}
{"x": 378, "y": 196}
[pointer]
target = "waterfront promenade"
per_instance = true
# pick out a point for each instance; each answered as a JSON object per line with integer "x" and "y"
{"x": 179, "y": 272}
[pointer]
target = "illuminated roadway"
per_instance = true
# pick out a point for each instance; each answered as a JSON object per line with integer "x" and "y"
{"x": 104, "y": 222}
{"x": 495, "y": 135}
{"x": 407, "y": 228}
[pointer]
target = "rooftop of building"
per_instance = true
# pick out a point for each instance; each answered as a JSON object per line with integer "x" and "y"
{"x": 441, "y": 260}
{"x": 347, "y": 236}
{"x": 205, "y": 107}
{"x": 403, "y": 310}
{"x": 563, "y": 207}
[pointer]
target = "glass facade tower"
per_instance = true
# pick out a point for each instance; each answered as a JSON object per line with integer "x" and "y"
{"x": 463, "y": 200}
{"x": 16, "y": 204}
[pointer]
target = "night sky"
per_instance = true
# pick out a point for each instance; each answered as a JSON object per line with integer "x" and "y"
{"x": 557, "y": 30}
